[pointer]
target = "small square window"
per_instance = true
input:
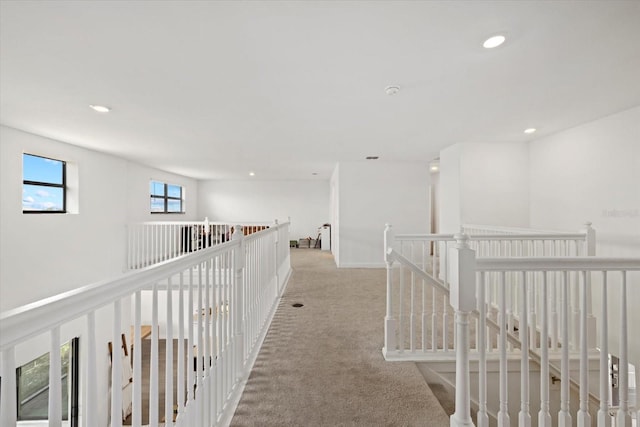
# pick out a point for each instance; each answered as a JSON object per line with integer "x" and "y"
{"x": 43, "y": 185}
{"x": 166, "y": 198}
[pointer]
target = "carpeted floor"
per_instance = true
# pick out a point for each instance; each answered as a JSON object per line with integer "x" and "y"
{"x": 321, "y": 364}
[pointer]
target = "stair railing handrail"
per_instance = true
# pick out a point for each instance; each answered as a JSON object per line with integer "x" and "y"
{"x": 429, "y": 252}
{"x": 467, "y": 281}
{"x": 150, "y": 242}
{"x": 229, "y": 333}
{"x": 512, "y": 339}
{"x": 470, "y": 229}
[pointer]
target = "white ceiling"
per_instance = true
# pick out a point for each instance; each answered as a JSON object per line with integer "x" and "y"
{"x": 214, "y": 89}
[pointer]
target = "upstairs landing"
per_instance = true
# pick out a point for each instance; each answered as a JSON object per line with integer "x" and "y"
{"x": 321, "y": 364}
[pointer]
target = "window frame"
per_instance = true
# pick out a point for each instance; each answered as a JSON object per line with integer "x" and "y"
{"x": 166, "y": 198}
{"x": 71, "y": 384}
{"x": 62, "y": 186}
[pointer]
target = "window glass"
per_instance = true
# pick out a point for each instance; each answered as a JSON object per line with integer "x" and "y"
{"x": 33, "y": 386}
{"x": 174, "y": 191}
{"x": 157, "y": 188}
{"x": 157, "y": 204}
{"x": 42, "y": 198}
{"x": 174, "y": 206}
{"x": 42, "y": 169}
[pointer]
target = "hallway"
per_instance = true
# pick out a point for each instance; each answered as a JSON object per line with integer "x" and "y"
{"x": 321, "y": 364}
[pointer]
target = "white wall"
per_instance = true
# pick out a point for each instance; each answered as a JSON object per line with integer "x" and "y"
{"x": 45, "y": 254}
{"x": 373, "y": 193}
{"x": 592, "y": 173}
{"x": 450, "y": 211}
{"x": 305, "y": 201}
{"x": 484, "y": 184}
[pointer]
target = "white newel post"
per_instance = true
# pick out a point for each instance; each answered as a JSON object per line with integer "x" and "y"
{"x": 238, "y": 265}
{"x": 462, "y": 280}
{"x": 389, "y": 320}
{"x": 207, "y": 230}
{"x": 590, "y": 250}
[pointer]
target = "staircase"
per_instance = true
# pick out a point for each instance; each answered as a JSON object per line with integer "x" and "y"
{"x": 467, "y": 307}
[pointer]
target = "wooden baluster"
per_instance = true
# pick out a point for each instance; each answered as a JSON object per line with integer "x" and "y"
{"x": 544, "y": 416}
{"x": 116, "y": 366}
{"x": 413, "y": 318}
{"x": 483, "y": 417}
{"x": 168, "y": 381}
{"x": 584, "y": 419}
{"x": 575, "y": 294}
{"x": 91, "y": 407}
{"x": 153, "y": 370}
{"x": 604, "y": 419}
{"x": 533, "y": 317}
{"x": 445, "y": 300}
{"x": 401, "y": 315}
{"x": 225, "y": 334}
{"x": 239, "y": 298}
{"x": 492, "y": 313}
{"x": 136, "y": 397}
{"x": 180, "y": 374}
{"x": 524, "y": 417}
{"x": 564, "y": 415}
{"x": 555, "y": 297}
{"x": 510, "y": 318}
{"x": 55, "y": 380}
{"x": 503, "y": 413}
{"x": 425, "y": 314}
{"x": 623, "y": 415}
{"x": 191, "y": 370}
{"x": 434, "y": 320}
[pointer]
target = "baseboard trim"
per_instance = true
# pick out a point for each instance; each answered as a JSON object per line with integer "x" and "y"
{"x": 363, "y": 265}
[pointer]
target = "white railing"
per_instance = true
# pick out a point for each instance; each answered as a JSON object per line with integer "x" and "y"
{"x": 419, "y": 317}
{"x": 217, "y": 305}
{"x": 470, "y": 279}
{"x": 156, "y": 241}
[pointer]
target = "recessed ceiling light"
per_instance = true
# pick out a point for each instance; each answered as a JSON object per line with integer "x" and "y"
{"x": 314, "y": 173}
{"x": 372, "y": 157}
{"x": 100, "y": 108}
{"x": 494, "y": 41}
{"x": 434, "y": 168}
{"x": 530, "y": 130}
{"x": 392, "y": 90}
{"x": 252, "y": 174}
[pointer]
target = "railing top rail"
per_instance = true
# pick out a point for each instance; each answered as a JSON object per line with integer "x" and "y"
{"x": 422, "y": 274}
{"x": 429, "y": 237}
{"x": 200, "y": 222}
{"x": 520, "y": 230}
{"x": 483, "y": 237}
{"x": 29, "y": 320}
{"x": 589, "y": 263}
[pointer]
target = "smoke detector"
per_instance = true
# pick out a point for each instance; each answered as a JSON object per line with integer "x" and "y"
{"x": 392, "y": 90}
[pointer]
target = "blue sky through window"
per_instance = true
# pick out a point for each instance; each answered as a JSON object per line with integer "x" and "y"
{"x": 41, "y": 197}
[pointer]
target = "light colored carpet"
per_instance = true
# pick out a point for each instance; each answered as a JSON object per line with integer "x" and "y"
{"x": 321, "y": 364}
